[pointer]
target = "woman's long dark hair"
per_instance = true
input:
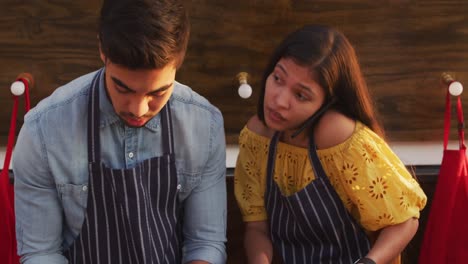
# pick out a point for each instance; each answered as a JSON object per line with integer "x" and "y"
{"x": 328, "y": 52}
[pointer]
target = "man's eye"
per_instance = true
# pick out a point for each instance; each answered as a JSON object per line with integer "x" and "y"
{"x": 122, "y": 91}
{"x": 158, "y": 93}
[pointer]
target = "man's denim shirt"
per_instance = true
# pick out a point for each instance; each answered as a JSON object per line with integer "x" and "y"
{"x": 51, "y": 169}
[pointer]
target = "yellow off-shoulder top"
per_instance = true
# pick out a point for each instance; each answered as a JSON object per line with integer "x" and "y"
{"x": 370, "y": 179}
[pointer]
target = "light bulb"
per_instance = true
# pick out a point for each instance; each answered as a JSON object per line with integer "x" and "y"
{"x": 455, "y": 88}
{"x": 245, "y": 90}
{"x": 17, "y": 88}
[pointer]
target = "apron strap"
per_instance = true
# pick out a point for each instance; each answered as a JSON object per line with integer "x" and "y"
{"x": 271, "y": 157}
{"x": 167, "y": 132}
{"x": 94, "y": 144}
{"x": 461, "y": 124}
{"x": 313, "y": 157}
{"x": 12, "y": 132}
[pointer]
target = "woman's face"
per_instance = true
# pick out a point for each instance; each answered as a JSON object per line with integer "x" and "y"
{"x": 292, "y": 94}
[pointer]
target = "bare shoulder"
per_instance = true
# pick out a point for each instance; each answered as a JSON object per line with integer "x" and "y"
{"x": 332, "y": 129}
{"x": 257, "y": 126}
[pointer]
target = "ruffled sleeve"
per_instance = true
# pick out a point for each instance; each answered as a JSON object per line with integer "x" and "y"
{"x": 372, "y": 181}
{"x": 249, "y": 176}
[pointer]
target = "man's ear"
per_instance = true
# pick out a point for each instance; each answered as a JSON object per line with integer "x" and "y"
{"x": 103, "y": 57}
{"x": 101, "y": 54}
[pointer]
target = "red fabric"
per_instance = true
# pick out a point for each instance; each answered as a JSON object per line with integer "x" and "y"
{"x": 446, "y": 235}
{"x": 8, "y": 253}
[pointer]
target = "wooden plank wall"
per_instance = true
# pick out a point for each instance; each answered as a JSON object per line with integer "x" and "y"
{"x": 403, "y": 45}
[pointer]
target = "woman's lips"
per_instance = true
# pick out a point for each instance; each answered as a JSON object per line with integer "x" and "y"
{"x": 275, "y": 116}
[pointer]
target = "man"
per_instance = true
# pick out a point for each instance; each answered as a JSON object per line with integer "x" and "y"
{"x": 124, "y": 165}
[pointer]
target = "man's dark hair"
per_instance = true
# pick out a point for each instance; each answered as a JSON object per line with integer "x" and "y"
{"x": 144, "y": 34}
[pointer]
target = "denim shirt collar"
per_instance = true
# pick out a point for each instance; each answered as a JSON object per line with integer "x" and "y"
{"x": 108, "y": 115}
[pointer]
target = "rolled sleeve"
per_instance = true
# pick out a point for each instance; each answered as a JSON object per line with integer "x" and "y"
{"x": 205, "y": 208}
{"x": 37, "y": 207}
{"x": 205, "y": 225}
{"x": 49, "y": 259}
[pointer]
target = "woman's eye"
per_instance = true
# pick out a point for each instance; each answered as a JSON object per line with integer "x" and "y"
{"x": 276, "y": 78}
{"x": 301, "y": 97}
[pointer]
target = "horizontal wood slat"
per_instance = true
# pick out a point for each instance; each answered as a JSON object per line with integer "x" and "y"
{"x": 403, "y": 47}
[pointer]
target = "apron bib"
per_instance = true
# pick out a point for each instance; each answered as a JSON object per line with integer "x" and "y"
{"x": 445, "y": 238}
{"x": 132, "y": 215}
{"x": 312, "y": 225}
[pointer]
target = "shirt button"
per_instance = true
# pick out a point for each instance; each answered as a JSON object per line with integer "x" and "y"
{"x": 85, "y": 188}
{"x": 130, "y": 155}
{"x": 179, "y": 187}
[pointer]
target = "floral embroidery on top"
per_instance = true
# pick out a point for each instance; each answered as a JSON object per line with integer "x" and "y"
{"x": 254, "y": 210}
{"x": 360, "y": 205}
{"x": 372, "y": 182}
{"x": 327, "y": 158}
{"x": 306, "y": 180}
{"x": 252, "y": 169}
{"x": 351, "y": 173}
{"x": 247, "y": 192}
{"x": 386, "y": 219}
{"x": 292, "y": 159}
{"x": 378, "y": 188}
{"x": 348, "y": 203}
{"x": 369, "y": 153}
{"x": 287, "y": 181}
{"x": 404, "y": 202}
{"x": 253, "y": 149}
{"x": 265, "y": 149}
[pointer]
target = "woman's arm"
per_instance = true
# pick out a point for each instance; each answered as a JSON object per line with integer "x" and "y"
{"x": 257, "y": 243}
{"x": 392, "y": 240}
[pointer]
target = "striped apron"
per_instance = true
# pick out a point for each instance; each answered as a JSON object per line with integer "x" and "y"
{"x": 133, "y": 215}
{"x": 312, "y": 225}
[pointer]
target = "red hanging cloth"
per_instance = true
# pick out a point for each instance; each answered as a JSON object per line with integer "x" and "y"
{"x": 8, "y": 253}
{"x": 446, "y": 235}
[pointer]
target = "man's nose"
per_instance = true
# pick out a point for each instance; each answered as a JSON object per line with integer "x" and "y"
{"x": 139, "y": 107}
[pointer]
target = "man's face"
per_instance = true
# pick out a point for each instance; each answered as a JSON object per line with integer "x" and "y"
{"x": 138, "y": 95}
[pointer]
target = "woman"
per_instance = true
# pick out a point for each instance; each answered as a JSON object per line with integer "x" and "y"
{"x": 315, "y": 180}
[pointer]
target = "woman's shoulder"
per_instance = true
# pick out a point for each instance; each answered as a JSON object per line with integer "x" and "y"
{"x": 258, "y": 127}
{"x": 332, "y": 129}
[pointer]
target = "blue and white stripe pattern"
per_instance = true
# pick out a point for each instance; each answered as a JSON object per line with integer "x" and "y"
{"x": 312, "y": 225}
{"x": 133, "y": 215}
